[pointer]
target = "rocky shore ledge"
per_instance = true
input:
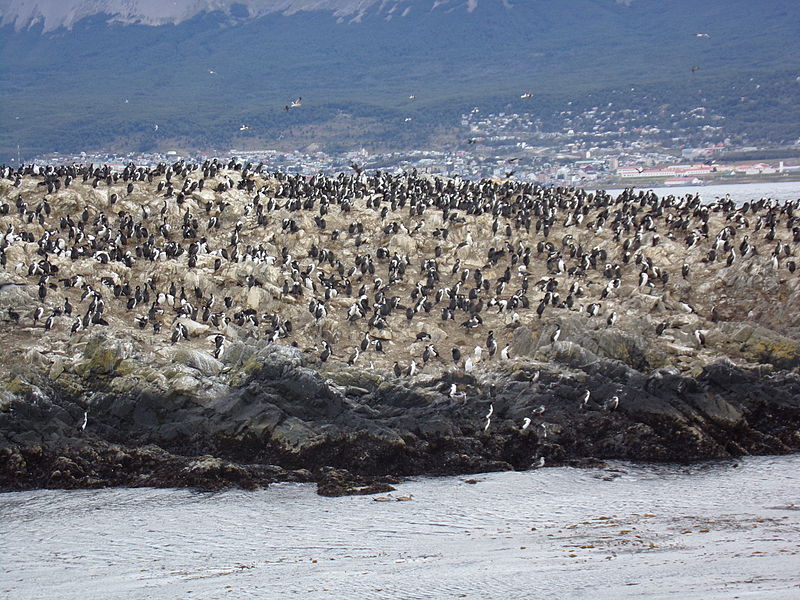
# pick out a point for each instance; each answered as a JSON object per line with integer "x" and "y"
{"x": 151, "y": 337}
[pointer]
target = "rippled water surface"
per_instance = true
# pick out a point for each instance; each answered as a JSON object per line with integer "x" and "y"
{"x": 722, "y": 530}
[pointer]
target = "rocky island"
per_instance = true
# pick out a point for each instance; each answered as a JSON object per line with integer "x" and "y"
{"x": 213, "y": 325}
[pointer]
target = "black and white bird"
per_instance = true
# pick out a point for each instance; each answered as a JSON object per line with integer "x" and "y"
{"x": 353, "y": 357}
{"x": 456, "y": 355}
{"x": 326, "y": 351}
{"x": 455, "y": 394}
{"x": 294, "y": 104}
{"x": 700, "y": 337}
{"x": 219, "y": 342}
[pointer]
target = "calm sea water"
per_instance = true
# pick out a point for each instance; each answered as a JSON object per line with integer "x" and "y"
{"x": 788, "y": 190}
{"x": 722, "y": 530}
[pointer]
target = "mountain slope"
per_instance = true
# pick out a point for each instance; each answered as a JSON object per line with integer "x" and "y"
{"x": 200, "y": 78}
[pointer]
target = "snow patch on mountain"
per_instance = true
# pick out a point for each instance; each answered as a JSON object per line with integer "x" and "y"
{"x": 53, "y": 14}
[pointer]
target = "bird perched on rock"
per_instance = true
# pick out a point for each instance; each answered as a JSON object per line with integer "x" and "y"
{"x": 353, "y": 357}
{"x": 456, "y": 355}
{"x": 326, "y": 351}
{"x": 700, "y": 337}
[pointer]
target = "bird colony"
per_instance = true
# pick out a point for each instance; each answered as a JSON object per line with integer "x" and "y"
{"x": 402, "y": 272}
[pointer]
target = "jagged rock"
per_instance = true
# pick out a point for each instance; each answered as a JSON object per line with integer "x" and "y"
{"x": 198, "y": 359}
{"x": 193, "y": 328}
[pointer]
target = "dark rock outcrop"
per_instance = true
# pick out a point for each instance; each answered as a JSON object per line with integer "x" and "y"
{"x": 288, "y": 421}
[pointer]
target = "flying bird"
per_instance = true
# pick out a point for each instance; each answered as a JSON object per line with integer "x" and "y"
{"x": 294, "y": 104}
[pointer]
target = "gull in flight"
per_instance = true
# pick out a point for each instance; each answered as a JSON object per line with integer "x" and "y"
{"x": 702, "y": 35}
{"x": 295, "y": 103}
{"x": 489, "y": 417}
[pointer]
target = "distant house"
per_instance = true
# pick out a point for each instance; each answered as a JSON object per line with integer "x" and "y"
{"x": 671, "y": 171}
{"x": 759, "y": 168}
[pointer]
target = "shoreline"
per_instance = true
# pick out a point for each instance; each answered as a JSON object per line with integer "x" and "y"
{"x": 619, "y": 183}
{"x": 368, "y": 431}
